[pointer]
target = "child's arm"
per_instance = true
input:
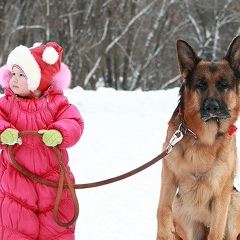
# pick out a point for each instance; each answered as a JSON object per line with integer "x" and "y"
{"x": 70, "y": 124}
{"x": 4, "y": 125}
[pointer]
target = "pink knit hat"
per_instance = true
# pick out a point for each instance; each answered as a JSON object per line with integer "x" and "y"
{"x": 39, "y": 63}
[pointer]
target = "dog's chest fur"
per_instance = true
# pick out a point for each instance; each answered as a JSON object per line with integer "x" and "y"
{"x": 201, "y": 169}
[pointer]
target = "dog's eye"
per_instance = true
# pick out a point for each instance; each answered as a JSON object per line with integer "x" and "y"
{"x": 201, "y": 85}
{"x": 222, "y": 85}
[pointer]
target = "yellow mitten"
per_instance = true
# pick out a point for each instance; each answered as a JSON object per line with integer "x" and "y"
{"x": 51, "y": 138}
{"x": 10, "y": 137}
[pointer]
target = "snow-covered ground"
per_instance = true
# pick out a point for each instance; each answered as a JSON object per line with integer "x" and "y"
{"x": 123, "y": 130}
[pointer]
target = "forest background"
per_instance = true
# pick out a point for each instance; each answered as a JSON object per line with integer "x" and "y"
{"x": 122, "y": 44}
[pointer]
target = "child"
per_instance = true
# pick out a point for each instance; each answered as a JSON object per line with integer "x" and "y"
{"x": 33, "y": 79}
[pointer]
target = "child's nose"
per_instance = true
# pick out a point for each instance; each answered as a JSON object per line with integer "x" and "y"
{"x": 15, "y": 79}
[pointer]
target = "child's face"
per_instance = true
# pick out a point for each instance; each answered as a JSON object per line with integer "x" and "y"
{"x": 18, "y": 83}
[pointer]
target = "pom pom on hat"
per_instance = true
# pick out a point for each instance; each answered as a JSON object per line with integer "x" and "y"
{"x": 39, "y": 63}
{"x": 50, "y": 55}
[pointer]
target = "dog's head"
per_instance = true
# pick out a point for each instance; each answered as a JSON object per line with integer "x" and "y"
{"x": 210, "y": 89}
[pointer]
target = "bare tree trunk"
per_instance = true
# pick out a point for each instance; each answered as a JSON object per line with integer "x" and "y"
{"x": 123, "y": 44}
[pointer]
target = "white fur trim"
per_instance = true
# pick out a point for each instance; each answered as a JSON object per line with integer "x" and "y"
{"x": 22, "y": 57}
{"x": 50, "y": 55}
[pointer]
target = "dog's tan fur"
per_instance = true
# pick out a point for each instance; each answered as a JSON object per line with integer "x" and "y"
{"x": 197, "y": 199}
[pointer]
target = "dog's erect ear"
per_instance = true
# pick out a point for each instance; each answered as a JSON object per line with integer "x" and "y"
{"x": 233, "y": 54}
{"x": 187, "y": 58}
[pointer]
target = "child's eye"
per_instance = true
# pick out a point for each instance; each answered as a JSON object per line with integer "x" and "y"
{"x": 13, "y": 74}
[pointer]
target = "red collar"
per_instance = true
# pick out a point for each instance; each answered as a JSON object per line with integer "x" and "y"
{"x": 232, "y": 130}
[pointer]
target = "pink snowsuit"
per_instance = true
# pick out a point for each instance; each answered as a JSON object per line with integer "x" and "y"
{"x": 26, "y": 207}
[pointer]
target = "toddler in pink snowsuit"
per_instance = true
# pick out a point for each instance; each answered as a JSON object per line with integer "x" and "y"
{"x": 34, "y": 79}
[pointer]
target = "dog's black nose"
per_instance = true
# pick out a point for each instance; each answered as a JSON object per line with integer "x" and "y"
{"x": 213, "y": 109}
{"x": 211, "y": 106}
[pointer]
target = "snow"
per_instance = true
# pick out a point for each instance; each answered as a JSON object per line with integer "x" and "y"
{"x": 123, "y": 130}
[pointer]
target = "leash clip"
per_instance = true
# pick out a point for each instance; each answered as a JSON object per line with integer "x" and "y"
{"x": 177, "y": 136}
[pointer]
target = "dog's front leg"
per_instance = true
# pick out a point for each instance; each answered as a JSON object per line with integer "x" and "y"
{"x": 166, "y": 228}
{"x": 220, "y": 206}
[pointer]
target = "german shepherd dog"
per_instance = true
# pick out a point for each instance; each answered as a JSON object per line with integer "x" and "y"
{"x": 197, "y": 199}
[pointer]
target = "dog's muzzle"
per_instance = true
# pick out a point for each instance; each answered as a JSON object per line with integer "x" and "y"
{"x": 212, "y": 109}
